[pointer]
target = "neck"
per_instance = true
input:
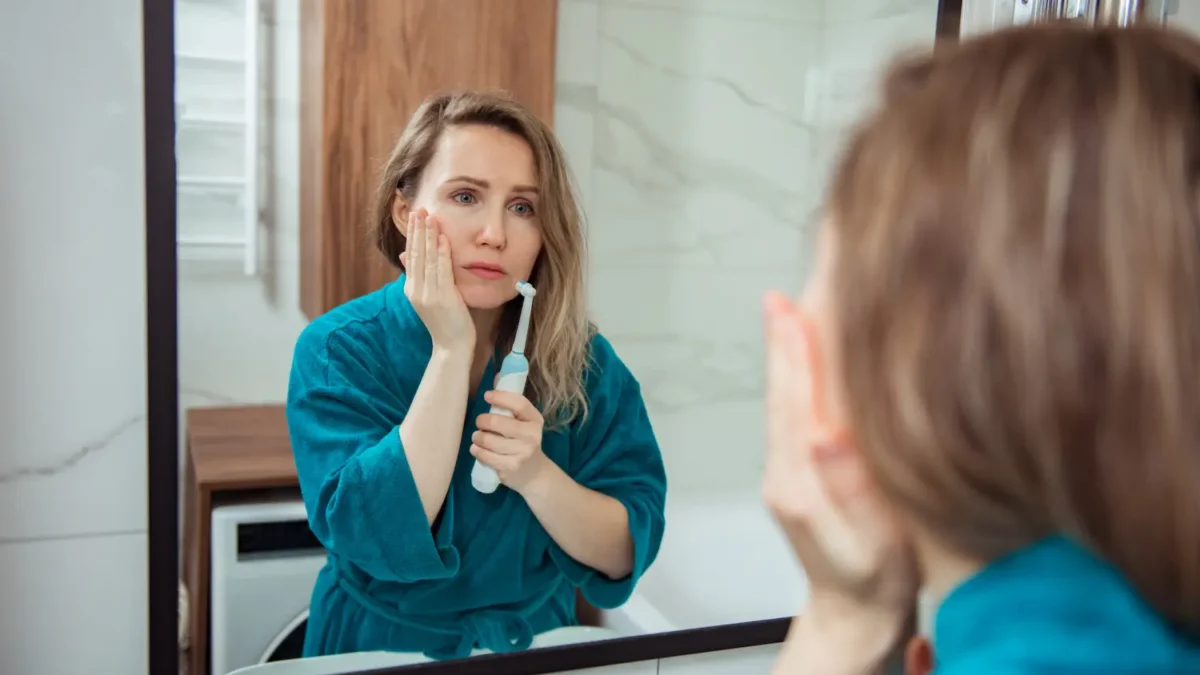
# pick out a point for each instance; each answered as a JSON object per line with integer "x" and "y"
{"x": 942, "y": 569}
{"x": 487, "y": 322}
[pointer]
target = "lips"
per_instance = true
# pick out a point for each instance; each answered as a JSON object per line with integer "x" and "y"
{"x": 486, "y": 271}
{"x": 486, "y": 267}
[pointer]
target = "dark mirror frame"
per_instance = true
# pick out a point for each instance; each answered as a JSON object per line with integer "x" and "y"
{"x": 162, "y": 403}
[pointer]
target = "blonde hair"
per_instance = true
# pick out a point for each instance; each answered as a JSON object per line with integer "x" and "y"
{"x": 559, "y": 333}
{"x": 1016, "y": 285}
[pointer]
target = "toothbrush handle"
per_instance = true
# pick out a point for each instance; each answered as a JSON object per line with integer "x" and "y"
{"x": 483, "y": 477}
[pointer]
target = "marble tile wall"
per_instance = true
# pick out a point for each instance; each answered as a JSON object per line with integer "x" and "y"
{"x": 72, "y": 371}
{"x": 714, "y": 124}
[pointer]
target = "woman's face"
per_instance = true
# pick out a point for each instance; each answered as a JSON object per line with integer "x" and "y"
{"x": 482, "y": 186}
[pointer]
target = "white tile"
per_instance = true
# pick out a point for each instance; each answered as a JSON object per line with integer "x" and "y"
{"x": 748, "y": 661}
{"x": 860, "y": 46}
{"x": 1187, "y": 17}
{"x": 73, "y": 371}
{"x": 859, "y": 11}
{"x": 576, "y": 73}
{"x": 74, "y": 607}
{"x": 575, "y": 62}
{"x": 701, "y": 201}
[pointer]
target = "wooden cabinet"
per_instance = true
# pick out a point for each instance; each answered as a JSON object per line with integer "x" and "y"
{"x": 233, "y": 454}
{"x": 365, "y": 67}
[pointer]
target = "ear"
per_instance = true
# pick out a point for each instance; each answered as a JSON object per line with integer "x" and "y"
{"x": 400, "y": 211}
{"x": 918, "y": 656}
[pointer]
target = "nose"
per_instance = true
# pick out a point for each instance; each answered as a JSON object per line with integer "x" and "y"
{"x": 492, "y": 232}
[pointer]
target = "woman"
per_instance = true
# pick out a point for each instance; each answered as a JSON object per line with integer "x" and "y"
{"x": 389, "y": 398}
{"x": 991, "y": 387}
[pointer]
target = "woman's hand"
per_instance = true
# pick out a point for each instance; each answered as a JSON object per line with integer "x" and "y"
{"x": 861, "y": 572}
{"x": 429, "y": 285}
{"x": 510, "y": 445}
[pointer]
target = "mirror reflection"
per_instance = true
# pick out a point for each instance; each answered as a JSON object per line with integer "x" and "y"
{"x": 481, "y": 372}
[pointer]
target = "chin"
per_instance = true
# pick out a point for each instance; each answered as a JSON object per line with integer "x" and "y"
{"x": 486, "y": 295}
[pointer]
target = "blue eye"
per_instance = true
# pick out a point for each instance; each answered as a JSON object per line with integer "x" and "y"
{"x": 463, "y": 197}
{"x": 523, "y": 209}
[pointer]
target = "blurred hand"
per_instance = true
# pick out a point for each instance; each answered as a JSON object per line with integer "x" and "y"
{"x": 861, "y": 572}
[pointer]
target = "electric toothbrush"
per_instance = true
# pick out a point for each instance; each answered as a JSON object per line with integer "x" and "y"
{"x": 513, "y": 372}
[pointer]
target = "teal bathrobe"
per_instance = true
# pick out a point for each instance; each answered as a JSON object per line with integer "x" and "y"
{"x": 1054, "y": 608}
{"x": 486, "y": 575}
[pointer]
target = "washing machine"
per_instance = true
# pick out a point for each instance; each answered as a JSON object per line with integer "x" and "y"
{"x": 265, "y": 560}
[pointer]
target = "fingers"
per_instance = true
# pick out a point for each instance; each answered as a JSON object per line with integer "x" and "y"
{"x": 505, "y": 426}
{"x": 787, "y": 384}
{"x": 415, "y": 251}
{"x": 431, "y": 237}
{"x": 405, "y": 258}
{"x": 496, "y": 461}
{"x": 790, "y": 485}
{"x": 518, "y": 405}
{"x": 445, "y": 264}
{"x": 509, "y": 447}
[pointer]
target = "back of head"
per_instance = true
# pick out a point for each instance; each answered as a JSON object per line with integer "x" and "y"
{"x": 1017, "y": 291}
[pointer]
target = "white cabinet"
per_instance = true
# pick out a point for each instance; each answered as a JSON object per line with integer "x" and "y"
{"x": 746, "y": 661}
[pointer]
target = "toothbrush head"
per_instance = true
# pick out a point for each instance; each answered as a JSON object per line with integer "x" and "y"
{"x": 525, "y": 289}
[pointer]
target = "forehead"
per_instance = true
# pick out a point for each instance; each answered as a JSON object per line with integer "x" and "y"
{"x": 498, "y": 157}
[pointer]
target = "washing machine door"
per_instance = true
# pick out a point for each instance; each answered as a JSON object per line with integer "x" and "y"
{"x": 289, "y": 643}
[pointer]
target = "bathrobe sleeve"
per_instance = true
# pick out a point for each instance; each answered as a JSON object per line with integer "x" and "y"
{"x": 358, "y": 489}
{"x": 614, "y": 452}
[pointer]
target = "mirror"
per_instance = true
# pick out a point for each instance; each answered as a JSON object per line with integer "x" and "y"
{"x": 698, "y": 137}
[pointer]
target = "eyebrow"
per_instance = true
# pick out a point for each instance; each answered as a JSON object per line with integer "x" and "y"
{"x": 483, "y": 184}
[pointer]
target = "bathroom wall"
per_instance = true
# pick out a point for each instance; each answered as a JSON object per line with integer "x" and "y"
{"x": 699, "y": 131}
{"x": 72, "y": 371}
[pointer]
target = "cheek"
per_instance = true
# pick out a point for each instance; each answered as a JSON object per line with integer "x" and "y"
{"x": 457, "y": 232}
{"x": 524, "y": 246}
